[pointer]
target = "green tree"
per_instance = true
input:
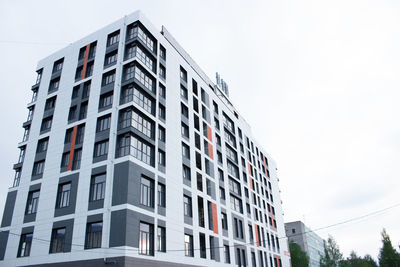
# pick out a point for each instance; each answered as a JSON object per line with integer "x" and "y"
{"x": 332, "y": 256}
{"x": 298, "y": 257}
{"x": 388, "y": 256}
{"x": 356, "y": 261}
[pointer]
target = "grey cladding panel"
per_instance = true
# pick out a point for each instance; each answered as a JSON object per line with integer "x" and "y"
{"x": 9, "y": 209}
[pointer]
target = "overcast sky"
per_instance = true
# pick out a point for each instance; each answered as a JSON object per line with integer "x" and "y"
{"x": 318, "y": 81}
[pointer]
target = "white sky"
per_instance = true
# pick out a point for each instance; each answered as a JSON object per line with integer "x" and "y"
{"x": 317, "y": 80}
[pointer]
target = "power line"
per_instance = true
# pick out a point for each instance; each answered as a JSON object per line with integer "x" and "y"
{"x": 239, "y": 245}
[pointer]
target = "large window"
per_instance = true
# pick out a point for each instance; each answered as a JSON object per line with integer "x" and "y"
{"x": 38, "y": 168}
{"x": 234, "y": 186}
{"x": 146, "y": 192}
{"x": 136, "y": 31}
{"x": 227, "y": 254}
{"x": 132, "y": 118}
{"x": 135, "y": 50}
{"x": 46, "y": 124}
{"x": 130, "y": 93}
{"x": 57, "y": 240}
{"x": 108, "y": 78}
{"x": 186, "y": 172}
{"x": 133, "y": 71}
{"x": 97, "y": 187}
{"x": 161, "y": 239}
{"x": 32, "y": 203}
{"x": 189, "y": 245}
{"x": 42, "y": 145}
{"x": 106, "y": 100}
{"x": 76, "y": 162}
{"x": 94, "y": 232}
{"x": 25, "y": 243}
{"x": 146, "y": 239}
{"x": 187, "y": 206}
{"x": 63, "y": 195}
{"x": 113, "y": 38}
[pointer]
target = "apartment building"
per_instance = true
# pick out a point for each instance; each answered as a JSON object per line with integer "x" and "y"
{"x": 311, "y": 243}
{"x": 132, "y": 155}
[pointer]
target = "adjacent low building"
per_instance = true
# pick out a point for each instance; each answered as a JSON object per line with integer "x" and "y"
{"x": 308, "y": 240}
{"x": 132, "y": 156}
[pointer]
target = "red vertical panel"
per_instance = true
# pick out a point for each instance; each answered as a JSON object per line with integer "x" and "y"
{"x": 251, "y": 184}
{"x": 265, "y": 166}
{"x": 249, "y": 167}
{"x": 215, "y": 218}
{"x": 256, "y": 232}
{"x": 209, "y": 135}
{"x": 210, "y": 151}
{"x": 277, "y": 260}
{"x": 85, "y": 62}
{"x": 71, "y": 152}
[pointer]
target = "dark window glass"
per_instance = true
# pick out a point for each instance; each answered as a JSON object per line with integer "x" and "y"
{"x": 146, "y": 239}
{"x": 63, "y": 196}
{"x": 57, "y": 240}
{"x": 32, "y": 203}
{"x": 98, "y": 187}
{"x": 93, "y": 235}
{"x": 25, "y": 243}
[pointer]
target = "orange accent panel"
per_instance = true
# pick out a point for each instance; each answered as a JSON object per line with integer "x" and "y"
{"x": 209, "y": 135}
{"x": 85, "y": 61}
{"x": 249, "y": 167}
{"x": 277, "y": 261}
{"x": 251, "y": 184}
{"x": 256, "y": 232}
{"x": 71, "y": 152}
{"x": 265, "y": 166}
{"x": 215, "y": 218}
{"x": 210, "y": 151}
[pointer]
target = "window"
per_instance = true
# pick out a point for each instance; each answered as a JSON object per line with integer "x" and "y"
{"x": 54, "y": 84}
{"x": 161, "y": 195}
{"x": 100, "y": 149}
{"x": 92, "y": 49}
{"x": 110, "y": 58}
{"x": 189, "y": 245}
{"x": 83, "y": 110}
{"x": 161, "y": 157}
{"x": 57, "y": 240}
{"x": 131, "y": 145}
{"x": 76, "y": 162}
{"x": 227, "y": 254}
{"x": 161, "y": 239}
{"x": 38, "y": 168}
{"x": 50, "y": 103}
{"x": 136, "y": 31}
{"x": 106, "y": 100}
{"x": 203, "y": 253}
{"x": 131, "y": 93}
{"x": 89, "y": 69}
{"x": 132, "y": 71}
{"x": 86, "y": 89}
{"x": 184, "y": 92}
{"x": 184, "y": 130}
{"x": 212, "y": 248}
{"x": 199, "y": 182}
{"x": 129, "y": 117}
{"x": 162, "y": 71}
{"x": 65, "y": 160}
{"x": 72, "y": 113}
{"x": 161, "y": 90}
{"x": 184, "y": 111}
{"x": 161, "y": 111}
{"x": 200, "y": 210}
{"x": 78, "y": 73}
{"x": 187, "y": 206}
{"x": 39, "y": 76}
{"x": 58, "y": 65}
{"x": 108, "y": 78}
{"x": 161, "y": 133}
{"x": 222, "y": 193}
{"x": 146, "y": 192}
{"x": 221, "y": 174}
{"x": 97, "y": 187}
{"x": 224, "y": 221}
{"x": 145, "y": 239}
{"x": 17, "y": 177}
{"x": 185, "y": 151}
{"x": 183, "y": 74}
{"x": 234, "y": 186}
{"x": 63, "y": 195}
{"x": 103, "y": 123}
{"x": 253, "y": 259}
{"x": 32, "y": 203}
{"x": 134, "y": 50}
{"x": 42, "y": 145}
{"x": 186, "y": 172}
{"x": 26, "y": 133}
{"x": 94, "y": 233}
{"x": 25, "y": 243}
{"x": 113, "y": 38}
{"x": 80, "y": 133}
{"x": 46, "y": 124}
{"x": 163, "y": 53}
{"x": 236, "y": 204}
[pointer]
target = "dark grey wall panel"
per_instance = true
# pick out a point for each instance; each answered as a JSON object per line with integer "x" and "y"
{"x": 9, "y": 209}
{"x": 3, "y": 243}
{"x": 69, "y": 228}
{"x": 70, "y": 209}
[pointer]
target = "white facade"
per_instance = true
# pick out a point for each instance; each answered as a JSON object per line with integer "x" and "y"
{"x": 171, "y": 175}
